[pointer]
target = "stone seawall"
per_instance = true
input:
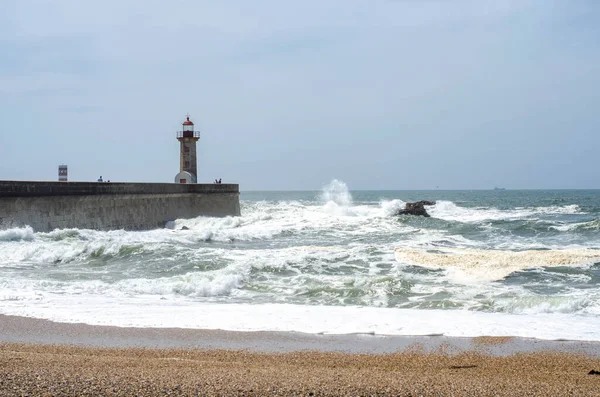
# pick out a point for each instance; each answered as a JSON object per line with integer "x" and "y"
{"x": 46, "y": 206}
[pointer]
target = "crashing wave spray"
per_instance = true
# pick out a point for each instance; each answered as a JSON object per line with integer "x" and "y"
{"x": 337, "y": 192}
{"x": 337, "y": 198}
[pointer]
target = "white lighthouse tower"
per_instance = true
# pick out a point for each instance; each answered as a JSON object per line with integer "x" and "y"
{"x": 188, "y": 169}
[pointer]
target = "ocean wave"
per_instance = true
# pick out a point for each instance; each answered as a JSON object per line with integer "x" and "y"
{"x": 62, "y": 234}
{"x": 548, "y": 304}
{"x": 565, "y": 209}
{"x": 190, "y": 285}
{"x": 449, "y": 211}
{"x": 593, "y": 225}
{"x": 333, "y": 213}
{"x": 226, "y": 229}
{"x": 195, "y": 284}
{"x": 473, "y": 265}
{"x": 17, "y": 234}
{"x": 65, "y": 246}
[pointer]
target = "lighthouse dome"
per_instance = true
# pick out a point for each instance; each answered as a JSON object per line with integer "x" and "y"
{"x": 188, "y": 127}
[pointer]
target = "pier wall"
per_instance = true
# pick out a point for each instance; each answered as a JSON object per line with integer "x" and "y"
{"x": 46, "y": 206}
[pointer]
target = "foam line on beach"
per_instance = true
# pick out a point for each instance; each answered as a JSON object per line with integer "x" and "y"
{"x": 310, "y": 319}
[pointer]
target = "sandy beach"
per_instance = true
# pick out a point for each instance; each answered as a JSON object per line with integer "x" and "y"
{"x": 39, "y": 357}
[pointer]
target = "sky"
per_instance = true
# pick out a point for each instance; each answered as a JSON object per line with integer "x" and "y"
{"x": 396, "y": 94}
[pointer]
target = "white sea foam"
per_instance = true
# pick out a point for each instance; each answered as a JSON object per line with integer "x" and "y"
{"x": 139, "y": 312}
{"x": 449, "y": 211}
{"x": 263, "y": 220}
{"x": 72, "y": 244}
{"x": 584, "y": 226}
{"x": 220, "y": 283}
{"x": 471, "y": 265}
{"x": 230, "y": 228}
{"x": 582, "y": 303}
{"x": 17, "y": 234}
{"x": 391, "y": 207}
{"x": 191, "y": 284}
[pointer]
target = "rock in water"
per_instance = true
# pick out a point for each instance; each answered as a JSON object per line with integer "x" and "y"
{"x": 417, "y": 208}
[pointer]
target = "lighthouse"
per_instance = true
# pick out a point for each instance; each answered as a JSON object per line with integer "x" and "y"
{"x": 188, "y": 169}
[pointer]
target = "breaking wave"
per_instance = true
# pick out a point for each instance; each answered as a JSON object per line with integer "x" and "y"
{"x": 17, "y": 234}
{"x": 479, "y": 256}
{"x": 449, "y": 211}
{"x": 583, "y": 226}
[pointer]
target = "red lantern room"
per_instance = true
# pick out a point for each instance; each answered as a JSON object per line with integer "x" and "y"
{"x": 188, "y": 128}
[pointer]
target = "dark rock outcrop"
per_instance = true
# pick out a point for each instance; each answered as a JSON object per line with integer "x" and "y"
{"x": 417, "y": 208}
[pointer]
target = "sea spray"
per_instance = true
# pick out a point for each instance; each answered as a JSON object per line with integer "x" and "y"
{"x": 337, "y": 199}
{"x": 337, "y": 192}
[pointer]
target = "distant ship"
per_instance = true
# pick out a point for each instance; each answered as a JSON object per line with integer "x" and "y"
{"x": 499, "y": 188}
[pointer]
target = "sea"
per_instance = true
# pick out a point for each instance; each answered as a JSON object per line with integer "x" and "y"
{"x": 520, "y": 263}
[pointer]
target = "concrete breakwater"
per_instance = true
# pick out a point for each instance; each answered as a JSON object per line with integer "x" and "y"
{"x": 46, "y": 206}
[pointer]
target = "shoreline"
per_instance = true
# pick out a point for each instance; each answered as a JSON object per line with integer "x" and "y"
{"x": 28, "y": 330}
{"x": 40, "y": 357}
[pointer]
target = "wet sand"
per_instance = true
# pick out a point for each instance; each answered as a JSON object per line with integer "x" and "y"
{"x": 39, "y": 357}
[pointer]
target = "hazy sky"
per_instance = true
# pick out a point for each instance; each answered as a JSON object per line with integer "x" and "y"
{"x": 397, "y": 94}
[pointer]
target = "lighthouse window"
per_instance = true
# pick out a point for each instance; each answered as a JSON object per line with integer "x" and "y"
{"x": 186, "y": 149}
{"x": 186, "y": 164}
